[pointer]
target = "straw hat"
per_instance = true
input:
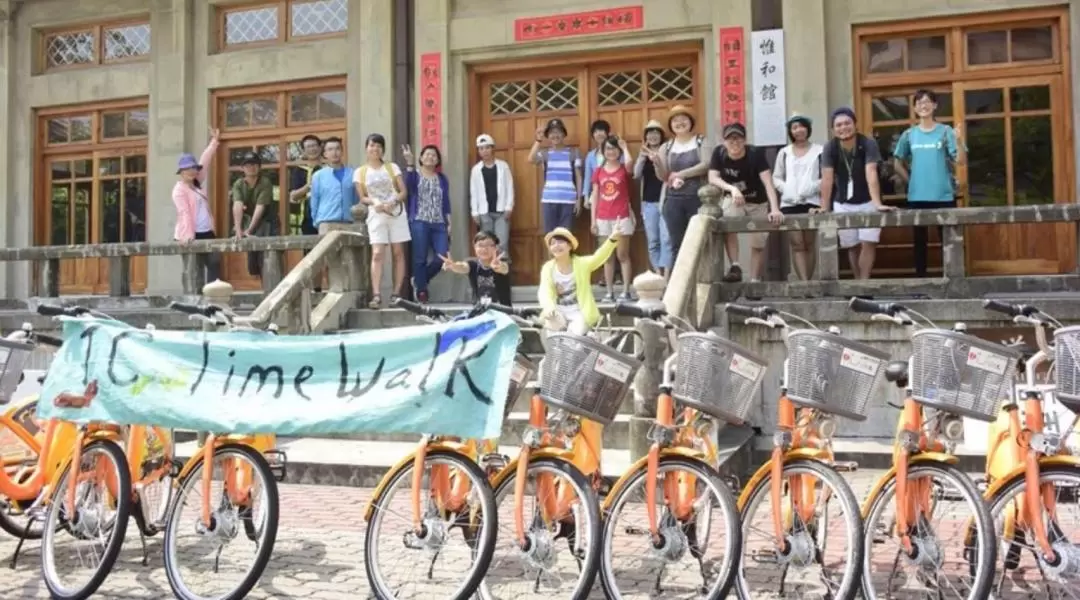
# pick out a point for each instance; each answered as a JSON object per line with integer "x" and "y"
{"x": 564, "y": 233}
{"x": 679, "y": 109}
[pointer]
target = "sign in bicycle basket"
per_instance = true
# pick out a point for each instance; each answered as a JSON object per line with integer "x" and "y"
{"x": 832, "y": 374}
{"x": 585, "y": 377}
{"x": 716, "y": 376}
{"x": 1067, "y": 367}
{"x": 521, "y": 374}
{"x": 961, "y": 374}
{"x": 13, "y": 357}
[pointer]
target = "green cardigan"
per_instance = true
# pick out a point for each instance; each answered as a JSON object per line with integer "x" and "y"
{"x": 583, "y": 269}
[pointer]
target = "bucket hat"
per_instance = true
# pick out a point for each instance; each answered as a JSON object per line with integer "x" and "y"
{"x": 187, "y": 161}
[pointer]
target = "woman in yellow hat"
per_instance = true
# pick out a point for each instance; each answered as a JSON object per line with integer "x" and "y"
{"x": 565, "y": 293}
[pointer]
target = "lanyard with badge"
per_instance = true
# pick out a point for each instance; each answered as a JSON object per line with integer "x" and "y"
{"x": 848, "y": 163}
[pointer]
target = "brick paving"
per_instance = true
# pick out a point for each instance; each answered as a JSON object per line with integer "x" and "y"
{"x": 318, "y": 554}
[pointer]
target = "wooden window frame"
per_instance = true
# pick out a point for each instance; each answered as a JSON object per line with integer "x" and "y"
{"x": 97, "y": 30}
{"x": 1055, "y": 41}
{"x": 906, "y": 37}
{"x": 284, "y": 25}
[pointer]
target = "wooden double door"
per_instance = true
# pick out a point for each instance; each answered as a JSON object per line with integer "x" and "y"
{"x": 623, "y": 89}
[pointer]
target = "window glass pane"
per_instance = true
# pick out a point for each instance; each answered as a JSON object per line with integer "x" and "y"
{"x": 319, "y": 17}
{"x": 83, "y": 167}
{"x": 69, "y": 49}
{"x": 135, "y": 164}
{"x": 112, "y": 125}
{"x": 986, "y": 162}
{"x": 1032, "y": 43}
{"x": 109, "y": 166}
{"x": 60, "y": 169}
{"x": 886, "y": 138}
{"x": 257, "y": 24}
{"x": 1036, "y": 97}
{"x": 138, "y": 123}
{"x": 81, "y": 130}
{"x": 987, "y": 47}
{"x": 238, "y": 113}
{"x": 264, "y": 112}
{"x": 891, "y": 108}
{"x": 1033, "y": 160}
{"x": 127, "y": 41}
{"x": 82, "y": 218}
{"x": 886, "y": 56}
{"x": 332, "y": 105}
{"x": 109, "y": 191}
{"x": 60, "y": 196}
{"x": 135, "y": 208}
{"x": 944, "y": 106}
{"x": 303, "y": 108}
{"x": 58, "y": 131}
{"x": 982, "y": 102}
{"x": 926, "y": 53}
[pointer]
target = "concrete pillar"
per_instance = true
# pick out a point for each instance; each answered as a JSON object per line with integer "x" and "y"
{"x": 172, "y": 22}
{"x": 7, "y": 70}
{"x": 804, "y": 49}
{"x": 370, "y": 85}
{"x": 649, "y": 288}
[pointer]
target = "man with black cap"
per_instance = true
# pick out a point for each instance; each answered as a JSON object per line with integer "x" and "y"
{"x": 254, "y": 210}
{"x": 849, "y": 184}
{"x": 743, "y": 172}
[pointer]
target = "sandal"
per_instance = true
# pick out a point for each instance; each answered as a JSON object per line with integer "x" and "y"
{"x": 376, "y": 302}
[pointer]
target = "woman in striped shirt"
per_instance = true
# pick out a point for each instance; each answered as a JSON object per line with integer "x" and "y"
{"x": 560, "y": 199}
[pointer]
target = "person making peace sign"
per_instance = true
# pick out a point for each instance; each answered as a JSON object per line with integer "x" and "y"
{"x": 488, "y": 275}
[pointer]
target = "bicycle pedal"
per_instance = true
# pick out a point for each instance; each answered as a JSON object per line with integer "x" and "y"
{"x": 846, "y": 466}
{"x": 732, "y": 482}
{"x": 278, "y": 461}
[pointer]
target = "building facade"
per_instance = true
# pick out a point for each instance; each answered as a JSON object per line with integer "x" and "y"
{"x": 98, "y": 98}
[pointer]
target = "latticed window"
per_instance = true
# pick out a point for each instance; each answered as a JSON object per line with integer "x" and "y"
{"x": 671, "y": 84}
{"x": 559, "y": 93}
{"x": 95, "y": 44}
{"x": 283, "y": 21}
{"x": 616, "y": 89}
{"x": 510, "y": 97}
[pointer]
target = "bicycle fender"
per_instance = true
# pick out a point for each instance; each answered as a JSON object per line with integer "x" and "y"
{"x": 406, "y": 461}
{"x": 511, "y": 467}
{"x": 923, "y": 457}
{"x": 639, "y": 465}
{"x": 1018, "y": 473}
{"x": 818, "y": 454}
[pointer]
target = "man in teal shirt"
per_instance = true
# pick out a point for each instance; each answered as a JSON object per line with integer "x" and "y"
{"x": 932, "y": 149}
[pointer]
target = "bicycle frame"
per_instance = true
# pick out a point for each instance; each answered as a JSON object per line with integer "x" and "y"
{"x": 238, "y": 478}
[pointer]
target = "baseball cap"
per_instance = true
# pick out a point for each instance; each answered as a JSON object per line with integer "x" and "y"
{"x": 485, "y": 140}
{"x": 251, "y": 158}
{"x": 734, "y": 129}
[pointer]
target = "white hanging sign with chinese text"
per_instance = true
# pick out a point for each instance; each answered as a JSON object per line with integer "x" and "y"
{"x": 767, "y": 92}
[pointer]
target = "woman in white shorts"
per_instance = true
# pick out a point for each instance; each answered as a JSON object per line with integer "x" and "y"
{"x": 380, "y": 186}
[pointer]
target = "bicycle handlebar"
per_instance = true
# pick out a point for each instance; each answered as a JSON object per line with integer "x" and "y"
{"x": 524, "y": 313}
{"x": 48, "y": 340}
{"x": 862, "y": 305}
{"x": 418, "y": 309}
{"x": 630, "y": 309}
{"x": 750, "y": 312}
{"x": 52, "y": 310}
{"x": 202, "y": 310}
{"x": 1012, "y": 310}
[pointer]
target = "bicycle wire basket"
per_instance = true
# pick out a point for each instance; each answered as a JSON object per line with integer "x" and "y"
{"x": 716, "y": 376}
{"x": 522, "y": 372}
{"x": 1067, "y": 367}
{"x": 832, "y": 374}
{"x": 585, "y": 377}
{"x": 13, "y": 357}
{"x": 961, "y": 374}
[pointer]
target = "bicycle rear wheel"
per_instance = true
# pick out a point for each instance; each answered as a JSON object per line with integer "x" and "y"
{"x": 244, "y": 508}
{"x": 698, "y": 551}
{"x": 427, "y": 564}
{"x": 95, "y": 526}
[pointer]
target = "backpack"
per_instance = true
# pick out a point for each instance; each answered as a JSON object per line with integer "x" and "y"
{"x": 699, "y": 139}
{"x": 860, "y": 148}
{"x": 362, "y": 177}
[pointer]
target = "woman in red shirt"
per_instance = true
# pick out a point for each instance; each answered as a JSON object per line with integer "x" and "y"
{"x": 610, "y": 202}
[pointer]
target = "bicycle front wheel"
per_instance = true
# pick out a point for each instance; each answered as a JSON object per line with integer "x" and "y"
{"x": 952, "y": 539}
{"x": 817, "y": 560}
{"x": 563, "y": 529}
{"x": 700, "y": 539}
{"x": 80, "y": 542}
{"x": 455, "y": 494}
{"x": 1022, "y": 568}
{"x": 244, "y": 507}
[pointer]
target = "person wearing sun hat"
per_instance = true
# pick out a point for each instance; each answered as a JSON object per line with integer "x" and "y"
{"x": 797, "y": 178}
{"x": 194, "y": 217}
{"x": 651, "y": 190}
{"x": 565, "y": 292}
{"x": 682, "y": 164}
{"x": 560, "y": 198}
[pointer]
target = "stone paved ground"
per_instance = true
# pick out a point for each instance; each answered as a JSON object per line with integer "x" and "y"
{"x": 319, "y": 552}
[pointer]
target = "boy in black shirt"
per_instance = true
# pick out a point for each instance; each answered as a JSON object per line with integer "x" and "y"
{"x": 743, "y": 172}
{"x": 488, "y": 275}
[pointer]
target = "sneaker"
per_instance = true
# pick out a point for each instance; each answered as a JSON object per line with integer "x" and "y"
{"x": 626, "y": 297}
{"x": 734, "y": 274}
{"x": 608, "y": 298}
{"x": 422, "y": 297}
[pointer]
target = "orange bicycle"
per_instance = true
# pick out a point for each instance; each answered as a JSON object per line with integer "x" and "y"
{"x": 1031, "y": 476}
{"x": 950, "y": 375}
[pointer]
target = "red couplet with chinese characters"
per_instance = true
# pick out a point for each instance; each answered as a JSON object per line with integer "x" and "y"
{"x": 732, "y": 83}
{"x": 431, "y": 98}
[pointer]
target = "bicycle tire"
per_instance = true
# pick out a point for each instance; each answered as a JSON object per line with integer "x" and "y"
{"x": 987, "y": 553}
{"x": 485, "y": 547}
{"x": 850, "y": 585}
{"x": 119, "y": 529}
{"x": 265, "y": 549}
{"x": 590, "y": 503}
{"x": 7, "y": 523}
{"x": 728, "y": 508}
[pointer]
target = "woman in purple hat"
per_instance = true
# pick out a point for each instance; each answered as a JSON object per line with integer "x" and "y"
{"x": 194, "y": 217}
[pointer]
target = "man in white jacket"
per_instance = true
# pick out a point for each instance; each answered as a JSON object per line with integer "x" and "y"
{"x": 491, "y": 193}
